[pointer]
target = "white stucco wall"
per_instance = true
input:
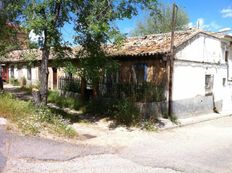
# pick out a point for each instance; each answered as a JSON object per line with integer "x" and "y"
{"x": 21, "y": 72}
{"x": 16, "y": 74}
{"x": 34, "y": 75}
{"x": 203, "y": 49}
{"x": 200, "y": 57}
{"x": 230, "y": 64}
{"x": 189, "y": 80}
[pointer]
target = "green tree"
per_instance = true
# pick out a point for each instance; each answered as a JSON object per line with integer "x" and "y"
{"x": 8, "y": 33}
{"x": 8, "y": 28}
{"x": 44, "y": 18}
{"x": 161, "y": 22}
{"x": 93, "y": 20}
{"x": 95, "y": 28}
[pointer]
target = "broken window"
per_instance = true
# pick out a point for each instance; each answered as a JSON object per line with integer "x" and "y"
{"x": 209, "y": 79}
{"x": 140, "y": 72}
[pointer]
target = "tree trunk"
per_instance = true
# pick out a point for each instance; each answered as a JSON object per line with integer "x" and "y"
{"x": 83, "y": 89}
{"x": 95, "y": 90}
{"x": 44, "y": 76}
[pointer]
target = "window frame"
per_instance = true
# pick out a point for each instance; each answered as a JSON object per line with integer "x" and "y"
{"x": 144, "y": 67}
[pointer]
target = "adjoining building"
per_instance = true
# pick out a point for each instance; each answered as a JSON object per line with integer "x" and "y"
{"x": 202, "y": 70}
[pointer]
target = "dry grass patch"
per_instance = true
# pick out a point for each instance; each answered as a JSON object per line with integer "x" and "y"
{"x": 32, "y": 120}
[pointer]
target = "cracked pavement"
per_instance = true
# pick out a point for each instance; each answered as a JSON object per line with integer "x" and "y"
{"x": 201, "y": 148}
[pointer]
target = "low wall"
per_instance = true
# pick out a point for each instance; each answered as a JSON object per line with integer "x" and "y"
{"x": 69, "y": 94}
{"x": 154, "y": 109}
{"x": 195, "y": 106}
{"x": 181, "y": 108}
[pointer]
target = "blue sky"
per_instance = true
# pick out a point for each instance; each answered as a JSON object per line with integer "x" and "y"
{"x": 212, "y": 15}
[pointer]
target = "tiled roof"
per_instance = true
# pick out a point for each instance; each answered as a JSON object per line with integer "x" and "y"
{"x": 22, "y": 56}
{"x": 152, "y": 44}
{"x": 132, "y": 46}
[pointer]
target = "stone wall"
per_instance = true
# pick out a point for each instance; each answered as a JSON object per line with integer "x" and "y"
{"x": 154, "y": 109}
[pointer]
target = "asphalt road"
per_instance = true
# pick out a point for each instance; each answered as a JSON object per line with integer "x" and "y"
{"x": 201, "y": 148}
{"x": 15, "y": 147}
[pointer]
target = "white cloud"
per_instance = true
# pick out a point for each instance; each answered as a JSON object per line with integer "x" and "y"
{"x": 224, "y": 29}
{"x": 128, "y": 29}
{"x": 214, "y": 26}
{"x": 200, "y": 22}
{"x": 190, "y": 25}
{"x": 226, "y": 12}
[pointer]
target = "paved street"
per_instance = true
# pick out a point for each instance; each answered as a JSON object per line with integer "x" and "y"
{"x": 201, "y": 148}
{"x": 205, "y": 147}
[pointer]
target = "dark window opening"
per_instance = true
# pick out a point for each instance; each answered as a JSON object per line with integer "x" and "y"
{"x": 140, "y": 72}
{"x": 209, "y": 80}
{"x": 224, "y": 82}
{"x": 226, "y": 55}
{"x": 54, "y": 77}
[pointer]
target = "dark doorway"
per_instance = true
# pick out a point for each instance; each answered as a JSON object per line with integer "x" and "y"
{"x": 5, "y": 73}
{"x": 54, "y": 77}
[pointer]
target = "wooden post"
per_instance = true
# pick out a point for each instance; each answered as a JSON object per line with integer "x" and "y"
{"x": 171, "y": 60}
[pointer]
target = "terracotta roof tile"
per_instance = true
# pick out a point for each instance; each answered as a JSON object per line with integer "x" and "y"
{"x": 133, "y": 46}
{"x": 151, "y": 44}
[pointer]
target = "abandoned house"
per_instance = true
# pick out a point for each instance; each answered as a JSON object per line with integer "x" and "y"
{"x": 201, "y": 77}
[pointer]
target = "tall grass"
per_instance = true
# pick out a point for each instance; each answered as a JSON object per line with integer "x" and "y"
{"x": 65, "y": 102}
{"x": 32, "y": 120}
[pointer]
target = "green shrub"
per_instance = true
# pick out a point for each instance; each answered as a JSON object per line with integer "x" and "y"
{"x": 32, "y": 120}
{"x": 67, "y": 102}
{"x": 149, "y": 126}
{"x": 122, "y": 111}
{"x": 28, "y": 88}
{"x": 14, "y": 81}
{"x": 101, "y": 106}
{"x": 125, "y": 112}
{"x": 23, "y": 82}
